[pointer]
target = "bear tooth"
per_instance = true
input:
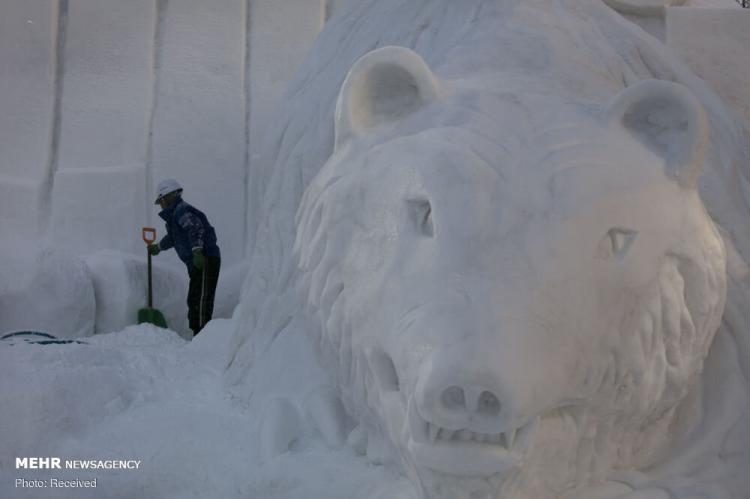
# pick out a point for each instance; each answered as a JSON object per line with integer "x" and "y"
{"x": 434, "y": 429}
{"x": 417, "y": 426}
{"x": 510, "y": 437}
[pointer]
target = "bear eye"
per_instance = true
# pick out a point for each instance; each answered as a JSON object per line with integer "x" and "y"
{"x": 420, "y": 212}
{"x": 620, "y": 240}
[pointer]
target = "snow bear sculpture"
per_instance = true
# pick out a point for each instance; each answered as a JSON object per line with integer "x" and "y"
{"x": 502, "y": 251}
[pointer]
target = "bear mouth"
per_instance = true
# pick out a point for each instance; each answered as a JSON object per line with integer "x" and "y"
{"x": 465, "y": 451}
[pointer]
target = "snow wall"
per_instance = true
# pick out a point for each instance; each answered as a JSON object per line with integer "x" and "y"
{"x": 101, "y": 99}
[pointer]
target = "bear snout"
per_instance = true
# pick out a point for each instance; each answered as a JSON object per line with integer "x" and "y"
{"x": 457, "y": 391}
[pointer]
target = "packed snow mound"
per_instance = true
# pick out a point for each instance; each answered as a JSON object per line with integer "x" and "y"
{"x": 497, "y": 234}
{"x": 45, "y": 289}
{"x": 58, "y": 292}
{"x": 120, "y": 284}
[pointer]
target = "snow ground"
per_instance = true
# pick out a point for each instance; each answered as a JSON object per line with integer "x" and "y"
{"x": 146, "y": 394}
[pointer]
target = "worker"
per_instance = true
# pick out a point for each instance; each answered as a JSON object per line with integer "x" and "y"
{"x": 194, "y": 240}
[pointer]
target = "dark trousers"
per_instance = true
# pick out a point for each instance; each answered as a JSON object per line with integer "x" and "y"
{"x": 201, "y": 293}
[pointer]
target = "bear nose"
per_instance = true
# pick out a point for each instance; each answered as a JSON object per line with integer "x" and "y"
{"x": 454, "y": 398}
{"x": 457, "y": 396}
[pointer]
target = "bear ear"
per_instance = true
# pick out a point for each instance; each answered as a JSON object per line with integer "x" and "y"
{"x": 383, "y": 86}
{"x": 668, "y": 119}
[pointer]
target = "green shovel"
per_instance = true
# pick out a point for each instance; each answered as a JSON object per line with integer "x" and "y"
{"x": 150, "y": 314}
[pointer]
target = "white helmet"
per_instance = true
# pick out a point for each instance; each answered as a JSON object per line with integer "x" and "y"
{"x": 165, "y": 187}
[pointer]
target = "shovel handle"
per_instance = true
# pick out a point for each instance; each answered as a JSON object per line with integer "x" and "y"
{"x": 148, "y": 234}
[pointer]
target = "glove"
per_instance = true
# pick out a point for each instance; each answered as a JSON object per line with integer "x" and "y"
{"x": 154, "y": 249}
{"x": 198, "y": 259}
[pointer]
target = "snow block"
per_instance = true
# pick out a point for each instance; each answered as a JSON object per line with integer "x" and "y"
{"x": 108, "y": 81}
{"x": 96, "y": 208}
{"x": 45, "y": 290}
{"x": 714, "y": 42}
{"x": 199, "y": 120}
{"x": 120, "y": 284}
{"x": 21, "y": 207}
{"x": 28, "y": 32}
{"x": 28, "y": 37}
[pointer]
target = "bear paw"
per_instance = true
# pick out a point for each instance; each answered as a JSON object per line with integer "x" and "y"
{"x": 326, "y": 413}
{"x": 280, "y": 425}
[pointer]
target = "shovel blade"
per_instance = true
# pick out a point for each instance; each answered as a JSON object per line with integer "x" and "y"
{"x": 152, "y": 316}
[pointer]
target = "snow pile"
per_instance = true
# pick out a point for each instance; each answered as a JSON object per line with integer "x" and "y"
{"x": 45, "y": 289}
{"x": 73, "y": 388}
{"x": 144, "y": 394}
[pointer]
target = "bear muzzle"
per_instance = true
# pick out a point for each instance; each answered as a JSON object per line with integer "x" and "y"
{"x": 462, "y": 419}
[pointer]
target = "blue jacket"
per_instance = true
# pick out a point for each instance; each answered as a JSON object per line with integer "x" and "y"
{"x": 188, "y": 228}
